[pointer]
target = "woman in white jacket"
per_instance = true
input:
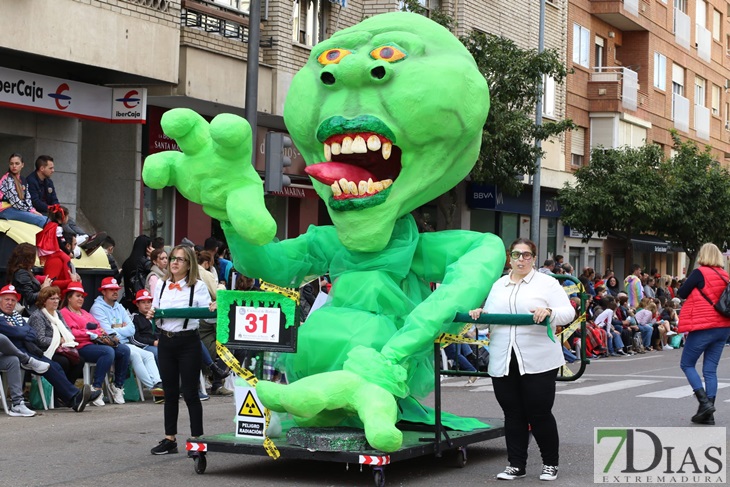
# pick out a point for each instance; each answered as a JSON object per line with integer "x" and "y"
{"x": 524, "y": 361}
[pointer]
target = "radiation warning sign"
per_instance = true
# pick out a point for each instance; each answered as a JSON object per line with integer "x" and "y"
{"x": 250, "y": 407}
{"x": 250, "y": 420}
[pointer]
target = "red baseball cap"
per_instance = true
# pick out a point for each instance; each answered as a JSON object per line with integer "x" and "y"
{"x": 109, "y": 283}
{"x": 142, "y": 295}
{"x": 10, "y": 289}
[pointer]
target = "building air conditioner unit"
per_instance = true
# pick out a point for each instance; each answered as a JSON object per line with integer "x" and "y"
{"x": 727, "y": 125}
{"x": 727, "y": 84}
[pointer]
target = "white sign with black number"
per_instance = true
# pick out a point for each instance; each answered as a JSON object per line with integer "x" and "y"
{"x": 257, "y": 324}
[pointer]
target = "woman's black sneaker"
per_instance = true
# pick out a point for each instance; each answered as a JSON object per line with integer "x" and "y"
{"x": 549, "y": 472}
{"x": 511, "y": 473}
{"x": 164, "y": 447}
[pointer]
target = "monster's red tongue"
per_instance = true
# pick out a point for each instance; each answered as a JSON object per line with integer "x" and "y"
{"x": 329, "y": 172}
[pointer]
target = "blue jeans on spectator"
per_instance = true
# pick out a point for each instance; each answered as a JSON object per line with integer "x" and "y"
{"x": 646, "y": 331}
{"x": 614, "y": 341}
{"x": 36, "y": 219}
{"x": 458, "y": 353}
{"x": 57, "y": 378}
{"x": 104, "y": 356}
{"x": 711, "y": 343}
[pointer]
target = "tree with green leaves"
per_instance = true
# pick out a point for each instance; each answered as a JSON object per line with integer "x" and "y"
{"x": 619, "y": 191}
{"x": 515, "y": 77}
{"x": 695, "y": 198}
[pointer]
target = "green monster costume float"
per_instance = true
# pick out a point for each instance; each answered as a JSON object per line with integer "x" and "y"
{"x": 388, "y": 115}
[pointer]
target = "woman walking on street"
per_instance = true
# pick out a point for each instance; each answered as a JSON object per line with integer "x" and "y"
{"x": 178, "y": 350}
{"x": 707, "y": 330}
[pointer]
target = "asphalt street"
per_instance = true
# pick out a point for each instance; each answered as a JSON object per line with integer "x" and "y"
{"x": 110, "y": 446}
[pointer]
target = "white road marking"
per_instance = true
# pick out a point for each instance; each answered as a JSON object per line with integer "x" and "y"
{"x": 608, "y": 387}
{"x": 677, "y": 392}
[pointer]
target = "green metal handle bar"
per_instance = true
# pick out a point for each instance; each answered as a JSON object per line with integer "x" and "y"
{"x": 506, "y": 319}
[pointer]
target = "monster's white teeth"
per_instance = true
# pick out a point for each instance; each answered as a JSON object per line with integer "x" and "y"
{"x": 374, "y": 143}
{"x": 362, "y": 188}
{"x": 327, "y": 153}
{"x": 358, "y": 146}
{"x": 347, "y": 145}
{"x": 386, "y": 148}
{"x": 336, "y": 149}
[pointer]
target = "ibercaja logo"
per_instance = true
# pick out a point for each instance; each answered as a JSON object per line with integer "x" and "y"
{"x": 659, "y": 455}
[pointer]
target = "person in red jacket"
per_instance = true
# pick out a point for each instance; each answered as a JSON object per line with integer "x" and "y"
{"x": 56, "y": 263}
{"x": 707, "y": 330}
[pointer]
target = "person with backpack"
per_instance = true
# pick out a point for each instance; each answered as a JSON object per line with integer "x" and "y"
{"x": 135, "y": 269}
{"x": 707, "y": 330}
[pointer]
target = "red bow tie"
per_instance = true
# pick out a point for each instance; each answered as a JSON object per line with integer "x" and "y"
{"x": 175, "y": 285}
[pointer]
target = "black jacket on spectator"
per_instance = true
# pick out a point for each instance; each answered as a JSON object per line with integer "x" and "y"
{"x": 143, "y": 334}
{"x": 28, "y": 287}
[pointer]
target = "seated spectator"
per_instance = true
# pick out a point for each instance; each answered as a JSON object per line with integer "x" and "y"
{"x": 54, "y": 337}
{"x": 206, "y": 268}
{"x": 157, "y": 271}
{"x": 16, "y": 202}
{"x": 86, "y": 331}
{"x": 40, "y": 186}
{"x": 56, "y": 263}
{"x": 629, "y": 328}
{"x": 612, "y": 286}
{"x": 20, "y": 275}
{"x": 645, "y": 321}
{"x": 25, "y": 339}
{"x": 144, "y": 335}
{"x": 135, "y": 269}
{"x": 113, "y": 318}
{"x": 108, "y": 245}
{"x": 12, "y": 361}
{"x": 547, "y": 267}
{"x": 605, "y": 321}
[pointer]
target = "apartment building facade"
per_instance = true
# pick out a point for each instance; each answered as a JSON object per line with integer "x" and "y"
{"x": 194, "y": 53}
{"x": 642, "y": 68}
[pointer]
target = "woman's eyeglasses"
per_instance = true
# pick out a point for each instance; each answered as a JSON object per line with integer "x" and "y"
{"x": 177, "y": 259}
{"x": 525, "y": 255}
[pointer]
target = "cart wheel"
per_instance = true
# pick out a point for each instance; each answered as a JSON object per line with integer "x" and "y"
{"x": 461, "y": 457}
{"x": 200, "y": 463}
{"x": 379, "y": 477}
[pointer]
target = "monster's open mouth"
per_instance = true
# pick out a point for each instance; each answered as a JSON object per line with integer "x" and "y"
{"x": 358, "y": 165}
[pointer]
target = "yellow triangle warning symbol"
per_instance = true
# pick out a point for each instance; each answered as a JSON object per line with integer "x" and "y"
{"x": 250, "y": 407}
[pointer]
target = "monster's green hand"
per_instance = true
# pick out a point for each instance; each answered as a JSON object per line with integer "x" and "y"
{"x": 214, "y": 170}
{"x": 328, "y": 398}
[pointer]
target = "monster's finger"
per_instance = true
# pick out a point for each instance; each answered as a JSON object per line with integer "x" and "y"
{"x": 310, "y": 396}
{"x": 378, "y": 412}
{"x": 232, "y": 135}
{"x": 190, "y": 130}
{"x": 157, "y": 170}
{"x": 247, "y": 213}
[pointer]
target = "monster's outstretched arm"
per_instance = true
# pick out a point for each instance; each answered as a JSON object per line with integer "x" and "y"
{"x": 214, "y": 170}
{"x": 288, "y": 263}
{"x": 466, "y": 264}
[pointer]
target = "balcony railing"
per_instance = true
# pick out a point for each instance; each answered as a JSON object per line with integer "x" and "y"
{"x": 627, "y": 80}
{"x": 680, "y": 112}
{"x": 704, "y": 43}
{"x": 702, "y": 122}
{"x": 213, "y": 18}
{"x": 681, "y": 28}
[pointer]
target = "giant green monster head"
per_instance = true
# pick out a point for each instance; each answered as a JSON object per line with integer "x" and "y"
{"x": 388, "y": 115}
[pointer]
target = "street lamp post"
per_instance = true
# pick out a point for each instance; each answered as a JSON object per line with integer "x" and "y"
{"x": 535, "y": 217}
{"x": 252, "y": 71}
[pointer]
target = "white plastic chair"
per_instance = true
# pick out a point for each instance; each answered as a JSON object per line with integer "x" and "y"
{"x": 107, "y": 393}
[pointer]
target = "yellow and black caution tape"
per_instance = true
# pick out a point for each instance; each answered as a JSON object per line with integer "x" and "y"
{"x": 251, "y": 379}
{"x": 568, "y": 330}
{"x": 290, "y": 293}
{"x": 448, "y": 338}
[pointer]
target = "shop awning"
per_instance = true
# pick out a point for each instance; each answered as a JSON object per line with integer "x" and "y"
{"x": 646, "y": 243}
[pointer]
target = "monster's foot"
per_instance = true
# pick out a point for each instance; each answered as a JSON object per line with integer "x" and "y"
{"x": 325, "y": 399}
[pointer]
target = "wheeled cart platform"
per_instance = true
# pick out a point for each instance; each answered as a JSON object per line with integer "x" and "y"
{"x": 418, "y": 441}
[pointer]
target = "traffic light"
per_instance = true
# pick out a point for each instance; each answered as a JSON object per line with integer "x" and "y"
{"x": 276, "y": 161}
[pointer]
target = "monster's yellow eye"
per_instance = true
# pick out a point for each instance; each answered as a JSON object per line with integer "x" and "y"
{"x": 390, "y": 54}
{"x": 332, "y": 56}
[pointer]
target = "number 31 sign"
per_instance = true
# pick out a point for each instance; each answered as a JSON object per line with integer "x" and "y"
{"x": 257, "y": 324}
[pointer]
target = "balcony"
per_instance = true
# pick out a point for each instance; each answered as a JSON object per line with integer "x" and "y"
{"x": 702, "y": 122}
{"x": 680, "y": 112}
{"x": 625, "y": 15}
{"x": 613, "y": 89}
{"x": 226, "y": 21}
{"x": 704, "y": 43}
{"x": 681, "y": 28}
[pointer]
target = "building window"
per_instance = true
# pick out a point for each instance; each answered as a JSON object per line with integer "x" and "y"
{"x": 681, "y": 5}
{"x": 548, "y": 96}
{"x": 306, "y": 22}
{"x": 427, "y": 5}
{"x": 242, "y": 5}
{"x": 581, "y": 45}
{"x": 577, "y": 146}
{"x": 727, "y": 117}
{"x": 716, "y": 94}
{"x": 716, "y": 25}
{"x": 660, "y": 71}
{"x": 700, "y": 91}
{"x": 677, "y": 83}
{"x": 600, "y": 53}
